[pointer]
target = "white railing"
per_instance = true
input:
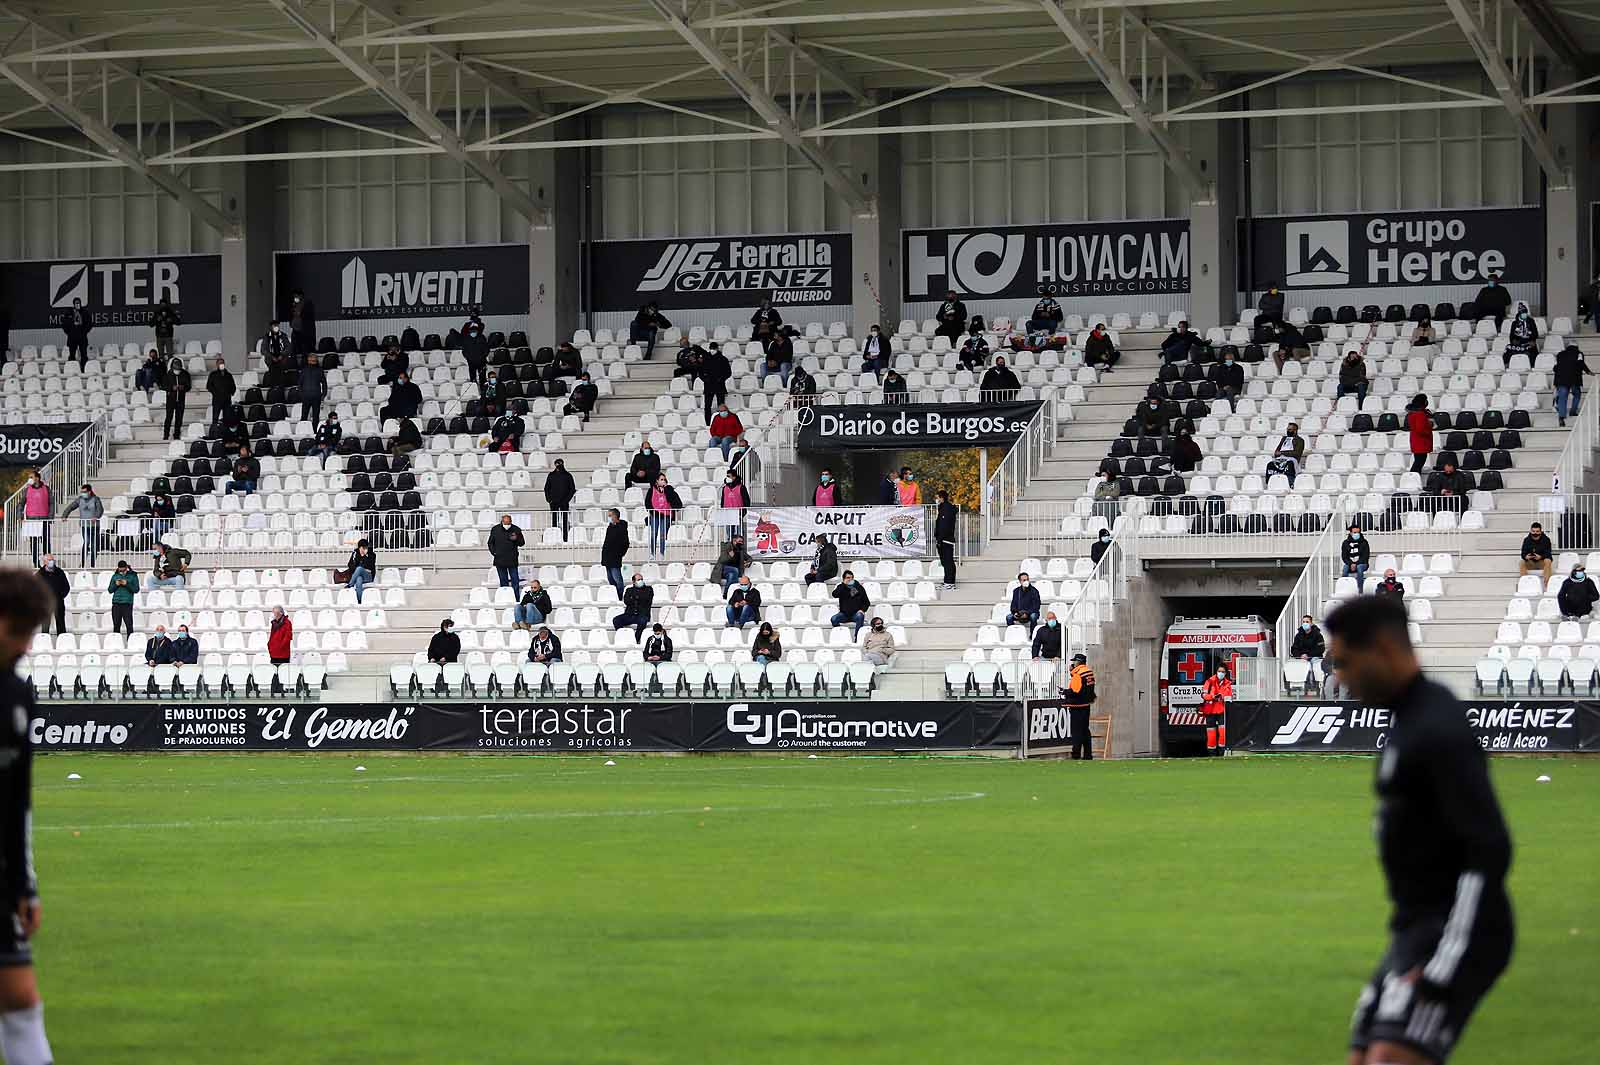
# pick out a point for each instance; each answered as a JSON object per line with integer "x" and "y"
{"x": 1007, "y": 482}
{"x": 74, "y": 465}
{"x": 1315, "y": 586}
{"x": 1577, "y": 458}
{"x": 1106, "y": 587}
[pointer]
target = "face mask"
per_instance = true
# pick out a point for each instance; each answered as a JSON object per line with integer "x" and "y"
{"x": 1105, "y": 539}
{"x": 1355, "y": 536}
{"x": 1578, "y": 576}
{"x": 1023, "y": 583}
{"x": 1051, "y": 623}
{"x": 49, "y": 565}
{"x": 826, "y": 479}
{"x": 183, "y": 634}
{"x": 647, "y": 451}
{"x": 1305, "y": 626}
{"x": 877, "y": 628}
{"x": 851, "y": 582}
{"x": 447, "y": 630}
{"x": 1221, "y": 675}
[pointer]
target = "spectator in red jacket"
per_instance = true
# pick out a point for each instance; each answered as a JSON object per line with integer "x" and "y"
{"x": 282, "y": 636}
{"x": 725, "y": 429}
{"x": 1419, "y": 423}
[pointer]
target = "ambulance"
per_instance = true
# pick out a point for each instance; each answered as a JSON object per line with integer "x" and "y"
{"x": 1194, "y": 647}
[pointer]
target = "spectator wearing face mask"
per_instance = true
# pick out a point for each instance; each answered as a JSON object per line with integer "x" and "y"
{"x": 1106, "y": 494}
{"x": 1228, "y": 376}
{"x": 91, "y": 508}
{"x": 877, "y": 352}
{"x": 1568, "y": 378}
{"x": 567, "y": 363}
{"x": 1099, "y": 351}
{"x": 1419, "y": 430}
{"x": 1179, "y": 343}
{"x": 878, "y": 645}
{"x": 1292, "y": 344}
{"x": 744, "y": 604}
{"x": 221, "y": 386}
{"x": 1308, "y": 642}
{"x": 1024, "y": 604}
{"x": 302, "y": 323}
{"x": 545, "y": 648}
{"x": 505, "y": 436}
{"x": 1493, "y": 301}
{"x": 944, "y": 535}
{"x": 1288, "y": 456}
{"x": 1270, "y": 308}
{"x": 362, "y": 567}
{"x": 1047, "y": 315}
{"x": 329, "y": 435}
{"x": 585, "y": 394}
{"x": 826, "y": 493}
{"x": 951, "y": 317}
{"x": 853, "y": 604}
{"x": 765, "y": 322}
{"x": 999, "y": 384}
{"x": 636, "y": 604}
{"x": 393, "y": 364}
{"x": 1537, "y": 551}
{"x": 1047, "y": 639}
{"x": 1102, "y": 544}
{"x": 662, "y": 505}
{"x": 76, "y": 325}
{"x": 475, "y": 346}
{"x": 171, "y": 565}
{"x": 715, "y": 370}
{"x": 825, "y": 563}
{"x": 725, "y": 429}
{"x": 1390, "y": 586}
{"x": 658, "y": 648}
{"x": 975, "y": 348}
{"x": 280, "y": 637}
{"x": 559, "y": 488}
{"x": 689, "y": 360}
{"x": 735, "y": 500}
{"x": 1355, "y": 554}
{"x": 533, "y": 608}
{"x": 1524, "y": 337}
{"x": 405, "y": 399}
{"x": 766, "y": 647}
{"x": 407, "y": 438}
{"x": 614, "y": 548}
{"x": 445, "y": 647}
{"x": 1186, "y": 454}
{"x": 505, "y": 543}
{"x": 802, "y": 387}
{"x": 894, "y": 389}
{"x": 177, "y": 384}
{"x": 646, "y": 465}
{"x": 185, "y": 648}
{"x": 1577, "y": 595}
{"x": 646, "y": 326}
{"x": 55, "y": 579}
{"x": 778, "y": 358}
{"x": 123, "y": 586}
{"x": 908, "y": 493}
{"x": 741, "y": 454}
{"x": 1154, "y": 418}
{"x": 158, "y": 649}
{"x": 163, "y": 512}
{"x": 1353, "y": 377}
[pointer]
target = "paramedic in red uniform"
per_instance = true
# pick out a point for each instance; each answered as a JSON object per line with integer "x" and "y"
{"x": 1214, "y": 696}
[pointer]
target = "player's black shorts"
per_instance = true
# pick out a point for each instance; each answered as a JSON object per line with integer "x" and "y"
{"x": 1392, "y": 1009}
{"x": 14, "y": 946}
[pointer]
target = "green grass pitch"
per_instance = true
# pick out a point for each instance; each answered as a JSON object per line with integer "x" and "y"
{"x": 288, "y": 909}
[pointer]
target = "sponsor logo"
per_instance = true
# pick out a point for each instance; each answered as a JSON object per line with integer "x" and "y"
{"x": 904, "y": 530}
{"x": 1419, "y": 251}
{"x": 797, "y": 270}
{"x": 1325, "y": 721}
{"x": 34, "y": 446}
{"x": 1317, "y": 254}
{"x": 975, "y": 263}
{"x": 141, "y": 283}
{"x": 932, "y": 424}
{"x": 1081, "y": 262}
{"x": 68, "y": 282}
{"x": 365, "y": 293}
{"x": 563, "y": 727}
{"x": 86, "y": 733}
{"x": 1047, "y": 723}
{"x": 818, "y": 728}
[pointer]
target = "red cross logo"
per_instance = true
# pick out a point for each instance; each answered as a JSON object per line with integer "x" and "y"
{"x": 1191, "y": 666}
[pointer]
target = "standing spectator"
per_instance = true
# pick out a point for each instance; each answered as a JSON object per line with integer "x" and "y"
{"x": 407, "y": 437}
{"x": 1214, "y": 696}
{"x": 646, "y": 326}
{"x": 614, "y": 548}
{"x": 585, "y": 394}
{"x": 1179, "y": 343}
{"x": 877, "y": 351}
{"x": 505, "y": 540}
{"x": 853, "y": 604}
{"x": 767, "y": 647}
{"x": 123, "y": 586}
{"x": 778, "y": 358}
{"x": 171, "y": 564}
{"x": 55, "y": 578}
{"x": 185, "y": 649}
{"x": 725, "y": 429}
{"x": 445, "y": 647}
{"x": 1353, "y": 377}
{"x": 329, "y": 434}
{"x": 944, "y": 535}
{"x": 545, "y": 648}
{"x": 894, "y": 389}
{"x": 658, "y": 648}
{"x": 646, "y": 465}
{"x": 715, "y": 370}
{"x": 150, "y": 373}
{"x": 302, "y": 323}
{"x": 1270, "y": 308}
{"x": 475, "y": 346}
{"x": 1568, "y": 378}
{"x": 275, "y": 346}
{"x": 952, "y": 317}
{"x": 1308, "y": 642}
{"x": 313, "y": 389}
{"x": 163, "y": 513}
{"x": 765, "y": 322}
{"x": 38, "y": 505}
{"x": 878, "y": 647}
{"x": 825, "y": 563}
{"x": 1355, "y": 553}
{"x": 974, "y": 350}
{"x": 405, "y": 399}
{"x": 1292, "y": 344}
{"x": 1047, "y": 639}
{"x": 1024, "y": 604}
{"x": 1228, "y": 376}
{"x": 533, "y": 608}
{"x": 1537, "y": 551}
{"x": 91, "y": 508}
{"x": 1047, "y": 316}
{"x": 1079, "y": 696}
{"x": 661, "y": 505}
{"x": 999, "y": 384}
{"x": 1099, "y": 350}
{"x": 1493, "y": 301}
{"x": 1577, "y": 595}
{"x": 826, "y": 493}
{"x": 165, "y": 320}
{"x": 908, "y": 493}
{"x": 1389, "y": 586}
{"x": 732, "y": 562}
{"x": 1288, "y": 456}
{"x": 1524, "y": 338}
{"x": 246, "y": 472}
{"x": 1102, "y": 544}
{"x": 158, "y": 649}
{"x": 1424, "y": 336}
{"x": 1419, "y": 426}
{"x": 636, "y": 604}
{"x": 362, "y": 568}
{"x": 744, "y": 604}
{"x": 888, "y": 490}
{"x": 177, "y": 387}
{"x": 280, "y": 637}
{"x": 75, "y": 323}
{"x": 221, "y": 386}
{"x": 559, "y": 488}
{"x": 735, "y": 498}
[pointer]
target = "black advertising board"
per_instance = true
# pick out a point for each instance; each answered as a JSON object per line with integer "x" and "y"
{"x": 525, "y": 726}
{"x": 863, "y": 427}
{"x": 1397, "y": 249}
{"x": 406, "y": 282}
{"x": 1502, "y": 726}
{"x": 1081, "y": 259}
{"x": 115, "y": 292}
{"x": 35, "y": 445}
{"x": 795, "y": 270}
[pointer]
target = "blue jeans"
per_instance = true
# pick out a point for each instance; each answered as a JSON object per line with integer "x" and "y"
{"x": 528, "y": 614}
{"x": 782, "y": 371}
{"x": 741, "y": 615}
{"x": 323, "y": 452}
{"x": 509, "y": 577}
{"x": 659, "y": 524}
{"x": 175, "y": 581}
{"x": 725, "y": 443}
{"x": 730, "y": 577}
{"x": 1359, "y": 390}
{"x": 763, "y": 659}
{"x": 614, "y": 578}
{"x": 625, "y": 619}
{"x": 360, "y": 577}
{"x": 1359, "y": 573}
{"x": 1563, "y": 394}
{"x": 857, "y": 619}
{"x": 247, "y": 487}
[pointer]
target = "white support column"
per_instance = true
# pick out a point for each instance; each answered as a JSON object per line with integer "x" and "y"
{"x": 247, "y": 266}
{"x": 1214, "y": 226}
{"x": 1569, "y": 260}
{"x": 553, "y": 244}
{"x": 874, "y": 284}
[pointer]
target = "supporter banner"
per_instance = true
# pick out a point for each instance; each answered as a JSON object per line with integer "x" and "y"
{"x": 1399, "y": 249}
{"x": 857, "y": 532}
{"x": 574, "y": 725}
{"x": 866, "y": 427}
{"x": 795, "y": 269}
{"x": 115, "y": 292}
{"x": 1501, "y": 726}
{"x": 406, "y": 282}
{"x": 1081, "y": 259}
{"x": 35, "y": 445}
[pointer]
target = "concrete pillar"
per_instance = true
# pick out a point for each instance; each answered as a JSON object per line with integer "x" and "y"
{"x": 554, "y": 278}
{"x": 1214, "y": 226}
{"x": 248, "y": 194}
{"x": 874, "y": 282}
{"x": 1569, "y": 261}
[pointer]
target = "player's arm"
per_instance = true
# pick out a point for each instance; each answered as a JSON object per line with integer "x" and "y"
{"x": 16, "y": 833}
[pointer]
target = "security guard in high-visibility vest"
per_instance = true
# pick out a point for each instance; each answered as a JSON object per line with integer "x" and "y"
{"x": 1078, "y": 696}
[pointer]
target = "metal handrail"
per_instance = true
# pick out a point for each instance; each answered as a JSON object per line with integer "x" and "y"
{"x": 1577, "y": 457}
{"x": 76, "y": 463}
{"x": 1010, "y": 480}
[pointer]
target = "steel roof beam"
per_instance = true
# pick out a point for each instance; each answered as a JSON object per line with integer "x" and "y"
{"x": 1505, "y": 86}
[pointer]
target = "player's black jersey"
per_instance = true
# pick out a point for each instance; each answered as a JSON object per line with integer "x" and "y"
{"x": 16, "y": 786}
{"x": 1441, "y": 837}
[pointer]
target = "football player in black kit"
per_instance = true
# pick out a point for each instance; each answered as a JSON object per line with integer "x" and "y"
{"x": 1442, "y": 841}
{"x": 24, "y": 608}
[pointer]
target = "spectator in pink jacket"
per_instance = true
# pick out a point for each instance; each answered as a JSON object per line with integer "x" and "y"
{"x": 38, "y": 505}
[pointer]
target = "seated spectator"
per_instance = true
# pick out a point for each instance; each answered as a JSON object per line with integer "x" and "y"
{"x": 545, "y": 648}
{"x": 1106, "y": 487}
{"x": 877, "y": 352}
{"x": 1098, "y": 350}
{"x": 744, "y": 604}
{"x": 233, "y": 430}
{"x": 1047, "y": 315}
{"x": 1493, "y": 301}
{"x": 1308, "y": 642}
{"x": 407, "y": 438}
{"x": 567, "y": 363}
{"x": 246, "y": 472}
{"x": 825, "y": 563}
{"x": 646, "y": 326}
{"x": 778, "y": 359}
{"x": 151, "y": 374}
{"x": 1451, "y": 486}
{"x": 637, "y": 602}
{"x": 765, "y": 322}
{"x": 908, "y": 493}
{"x": 1186, "y": 454}
{"x": 1577, "y": 595}
{"x": 506, "y": 434}
{"x": 1024, "y": 604}
{"x": 826, "y": 493}
{"x": 731, "y": 562}
{"x": 894, "y": 388}
{"x": 951, "y": 316}
{"x": 878, "y": 646}
{"x": 1353, "y": 376}
{"x": 975, "y": 349}
{"x": 1568, "y": 379}
{"x": 725, "y": 429}
{"x": 1047, "y": 639}
{"x": 1153, "y": 417}
{"x": 533, "y": 608}
{"x": 802, "y": 388}
{"x": 1289, "y": 455}
{"x": 853, "y": 604}
{"x": 1179, "y": 343}
{"x": 1355, "y": 554}
{"x": 999, "y": 384}
{"x": 158, "y": 649}
{"x": 489, "y": 397}
{"x": 329, "y": 435}
{"x": 445, "y": 647}
{"x": 658, "y": 648}
{"x": 738, "y": 456}
{"x": 185, "y": 648}
{"x": 405, "y": 399}
{"x": 1537, "y": 551}
{"x": 394, "y": 364}
{"x": 1291, "y": 345}
{"x": 1102, "y": 544}
{"x": 584, "y": 395}
{"x": 689, "y": 358}
{"x": 1270, "y": 308}
{"x": 646, "y": 465}
{"x": 1424, "y": 335}
{"x": 163, "y": 512}
{"x": 1524, "y": 336}
{"x": 1390, "y": 586}
{"x": 1228, "y": 376}
{"x": 362, "y": 568}
{"x": 767, "y": 647}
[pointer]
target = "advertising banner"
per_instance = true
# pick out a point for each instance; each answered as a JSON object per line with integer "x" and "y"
{"x": 1344, "y": 727}
{"x": 115, "y": 292}
{"x": 866, "y": 427}
{"x": 1081, "y": 259}
{"x": 406, "y": 282}
{"x": 857, "y": 532}
{"x": 551, "y": 725}
{"x": 1398, "y": 249}
{"x": 696, "y": 272}
{"x": 35, "y": 445}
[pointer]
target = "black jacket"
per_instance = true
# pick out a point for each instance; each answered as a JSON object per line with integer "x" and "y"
{"x": 645, "y": 468}
{"x": 368, "y": 561}
{"x": 185, "y": 650}
{"x": 769, "y": 317}
{"x": 1290, "y": 338}
{"x": 999, "y": 379}
{"x": 952, "y": 312}
{"x": 638, "y": 599}
{"x": 827, "y": 562}
{"x": 616, "y": 544}
{"x": 555, "y": 647}
{"x": 504, "y": 542}
{"x": 1177, "y": 344}
{"x": 56, "y": 581}
{"x": 275, "y": 344}
{"x": 158, "y": 651}
{"x": 1047, "y": 641}
{"x": 408, "y": 434}
{"x": 1570, "y": 368}
{"x": 1458, "y": 483}
{"x": 540, "y": 600}
{"x": 944, "y": 526}
{"x": 1397, "y": 589}
{"x": 739, "y": 596}
{"x": 313, "y": 384}
{"x": 1577, "y": 598}
{"x": 247, "y": 469}
{"x": 1308, "y": 643}
{"x": 559, "y": 488}
{"x": 1098, "y": 348}
{"x": 404, "y": 399}
{"x": 1355, "y": 552}
{"x": 329, "y": 434}
{"x": 1153, "y": 419}
{"x": 851, "y": 599}
{"x": 888, "y": 495}
{"x": 1227, "y": 375}
{"x": 585, "y": 394}
{"x": 1271, "y": 304}
{"x": 165, "y": 319}
{"x": 221, "y": 385}
{"x": 1097, "y": 550}
{"x": 1493, "y": 300}
{"x": 1025, "y": 600}
{"x": 1047, "y": 310}
{"x": 658, "y": 647}
{"x": 1542, "y": 547}
{"x": 16, "y": 752}
{"x": 715, "y": 369}
{"x": 445, "y": 646}
{"x": 76, "y": 326}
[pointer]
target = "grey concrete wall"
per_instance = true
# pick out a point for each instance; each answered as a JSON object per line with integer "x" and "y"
{"x": 249, "y": 194}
